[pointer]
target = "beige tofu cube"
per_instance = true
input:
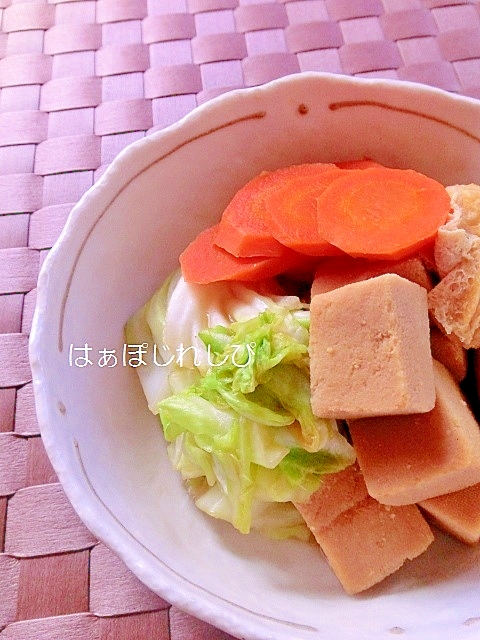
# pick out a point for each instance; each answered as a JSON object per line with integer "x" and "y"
{"x": 407, "y": 459}
{"x": 457, "y": 513}
{"x": 333, "y": 273}
{"x": 448, "y": 350}
{"x": 370, "y": 541}
{"x": 370, "y": 349}
{"x": 363, "y": 540}
{"x": 337, "y": 493}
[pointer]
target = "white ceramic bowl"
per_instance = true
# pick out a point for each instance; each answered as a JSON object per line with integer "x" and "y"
{"x": 119, "y": 243}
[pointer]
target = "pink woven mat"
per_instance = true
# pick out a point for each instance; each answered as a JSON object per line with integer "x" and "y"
{"x": 79, "y": 80}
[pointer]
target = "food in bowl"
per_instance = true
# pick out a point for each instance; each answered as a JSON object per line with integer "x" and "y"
{"x": 120, "y": 242}
{"x": 301, "y": 395}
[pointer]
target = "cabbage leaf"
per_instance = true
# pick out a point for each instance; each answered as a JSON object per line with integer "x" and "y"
{"x": 237, "y": 415}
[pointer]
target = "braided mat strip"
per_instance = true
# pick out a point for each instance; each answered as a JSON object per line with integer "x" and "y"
{"x": 80, "y": 80}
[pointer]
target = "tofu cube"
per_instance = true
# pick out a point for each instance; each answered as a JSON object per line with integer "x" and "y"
{"x": 370, "y": 349}
{"x": 370, "y": 541}
{"x": 457, "y": 513}
{"x": 337, "y": 493}
{"x": 363, "y": 541}
{"x": 448, "y": 350}
{"x": 407, "y": 459}
{"x": 333, "y": 273}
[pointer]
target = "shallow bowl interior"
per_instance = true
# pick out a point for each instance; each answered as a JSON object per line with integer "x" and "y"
{"x": 119, "y": 243}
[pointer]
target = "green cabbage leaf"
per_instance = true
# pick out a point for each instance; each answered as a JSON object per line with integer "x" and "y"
{"x": 236, "y": 413}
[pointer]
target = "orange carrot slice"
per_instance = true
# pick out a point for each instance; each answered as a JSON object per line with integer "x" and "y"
{"x": 244, "y": 230}
{"x": 203, "y": 261}
{"x": 292, "y": 212}
{"x": 363, "y": 163}
{"x": 382, "y": 213}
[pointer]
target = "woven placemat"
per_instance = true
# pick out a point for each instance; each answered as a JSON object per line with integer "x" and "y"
{"x": 79, "y": 80}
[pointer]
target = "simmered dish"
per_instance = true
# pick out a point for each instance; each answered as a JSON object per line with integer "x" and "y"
{"x": 312, "y": 358}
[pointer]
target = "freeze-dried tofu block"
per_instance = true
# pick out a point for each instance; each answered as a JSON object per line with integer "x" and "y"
{"x": 370, "y": 349}
{"x": 406, "y": 459}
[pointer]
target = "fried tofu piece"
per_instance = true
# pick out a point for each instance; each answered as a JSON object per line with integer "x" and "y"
{"x": 457, "y": 513}
{"x": 370, "y": 349}
{"x": 454, "y": 300}
{"x": 363, "y": 540}
{"x": 407, "y": 459}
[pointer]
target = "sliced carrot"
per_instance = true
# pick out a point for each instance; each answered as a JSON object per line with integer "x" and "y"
{"x": 203, "y": 262}
{"x": 243, "y": 229}
{"x": 292, "y": 212}
{"x": 363, "y": 163}
{"x": 382, "y": 213}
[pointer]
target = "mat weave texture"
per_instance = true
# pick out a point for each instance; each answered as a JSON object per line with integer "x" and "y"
{"x": 80, "y": 80}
